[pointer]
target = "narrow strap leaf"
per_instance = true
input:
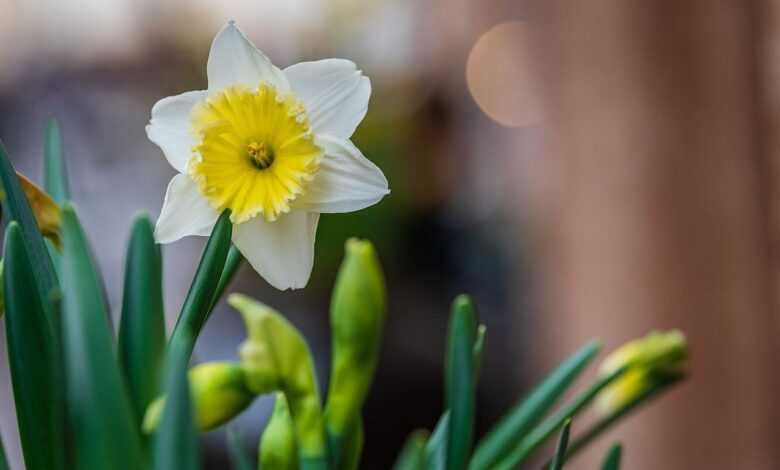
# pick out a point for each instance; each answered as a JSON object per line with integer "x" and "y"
{"x": 560, "y": 450}
{"x": 527, "y": 412}
{"x": 460, "y": 381}
{"x": 3, "y": 459}
{"x": 412, "y": 456}
{"x": 612, "y": 460}
{"x": 540, "y": 433}
{"x": 436, "y": 447}
{"x": 103, "y": 430}
{"x": 55, "y": 178}
{"x": 479, "y": 346}
{"x": 35, "y": 371}
{"x": 198, "y": 303}
{"x": 238, "y": 457}
{"x": 176, "y": 441}
{"x": 142, "y": 327}
{"x": 19, "y": 210}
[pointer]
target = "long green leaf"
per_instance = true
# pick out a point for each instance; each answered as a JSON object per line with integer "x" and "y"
{"x": 460, "y": 382}
{"x": 436, "y": 447}
{"x": 19, "y": 210}
{"x": 526, "y": 413}
{"x": 412, "y": 456}
{"x": 3, "y": 459}
{"x": 606, "y": 423}
{"x": 55, "y": 178}
{"x": 35, "y": 371}
{"x": 238, "y": 456}
{"x": 176, "y": 440}
{"x": 560, "y": 450}
{"x": 612, "y": 460}
{"x": 103, "y": 430}
{"x": 142, "y": 328}
{"x": 197, "y": 305}
{"x": 539, "y": 434}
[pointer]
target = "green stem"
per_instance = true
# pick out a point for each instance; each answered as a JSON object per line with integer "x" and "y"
{"x": 232, "y": 263}
{"x": 197, "y": 305}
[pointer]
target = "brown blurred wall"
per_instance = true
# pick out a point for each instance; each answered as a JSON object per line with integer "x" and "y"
{"x": 662, "y": 214}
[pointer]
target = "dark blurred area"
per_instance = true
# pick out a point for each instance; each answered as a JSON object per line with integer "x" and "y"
{"x": 582, "y": 169}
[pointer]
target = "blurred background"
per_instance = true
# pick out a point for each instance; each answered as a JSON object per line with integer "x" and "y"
{"x": 583, "y": 169}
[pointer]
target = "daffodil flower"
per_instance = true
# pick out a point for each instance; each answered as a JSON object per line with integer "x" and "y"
{"x": 270, "y": 145}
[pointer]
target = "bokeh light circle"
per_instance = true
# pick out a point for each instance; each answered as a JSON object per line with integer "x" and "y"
{"x": 503, "y": 76}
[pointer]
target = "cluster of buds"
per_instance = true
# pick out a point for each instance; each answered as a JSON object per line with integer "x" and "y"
{"x": 275, "y": 358}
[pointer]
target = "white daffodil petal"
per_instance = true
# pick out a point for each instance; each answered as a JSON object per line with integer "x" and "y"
{"x": 334, "y": 92}
{"x": 234, "y": 60}
{"x": 281, "y": 251}
{"x": 347, "y": 181}
{"x": 170, "y": 126}
{"x": 185, "y": 212}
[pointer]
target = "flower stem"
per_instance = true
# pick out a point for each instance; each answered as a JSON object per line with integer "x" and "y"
{"x": 200, "y": 298}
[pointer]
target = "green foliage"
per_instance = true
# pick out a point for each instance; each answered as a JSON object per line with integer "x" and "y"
{"x": 612, "y": 460}
{"x": 82, "y": 396}
{"x": 142, "y": 327}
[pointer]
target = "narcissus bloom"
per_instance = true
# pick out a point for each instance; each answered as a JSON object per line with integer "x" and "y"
{"x": 272, "y": 146}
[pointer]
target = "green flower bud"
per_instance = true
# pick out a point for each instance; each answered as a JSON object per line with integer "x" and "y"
{"x": 657, "y": 357}
{"x": 277, "y": 444}
{"x": 357, "y": 315}
{"x": 219, "y": 393}
{"x": 276, "y": 357}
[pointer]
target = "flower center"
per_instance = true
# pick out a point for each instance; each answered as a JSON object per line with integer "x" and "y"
{"x": 256, "y": 152}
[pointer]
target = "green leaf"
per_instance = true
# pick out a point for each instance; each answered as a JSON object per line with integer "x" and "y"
{"x": 612, "y": 460}
{"x": 352, "y": 446}
{"x": 560, "y": 450}
{"x": 104, "y": 433}
{"x": 3, "y": 460}
{"x": 236, "y": 450}
{"x": 436, "y": 447}
{"x": 19, "y": 210}
{"x": 142, "y": 327}
{"x": 55, "y": 178}
{"x": 460, "y": 382}
{"x": 526, "y": 413}
{"x": 412, "y": 456}
{"x": 606, "y": 423}
{"x": 35, "y": 371}
{"x": 479, "y": 346}
{"x": 540, "y": 433}
{"x": 197, "y": 305}
{"x": 176, "y": 440}
{"x": 232, "y": 263}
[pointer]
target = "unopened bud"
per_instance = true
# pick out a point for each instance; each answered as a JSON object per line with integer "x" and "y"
{"x": 277, "y": 444}
{"x": 219, "y": 393}
{"x": 357, "y": 316}
{"x": 657, "y": 357}
{"x": 276, "y": 357}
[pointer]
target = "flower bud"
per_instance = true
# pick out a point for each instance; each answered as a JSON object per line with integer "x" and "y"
{"x": 357, "y": 315}
{"x": 657, "y": 357}
{"x": 277, "y": 444}
{"x": 219, "y": 393}
{"x": 276, "y": 357}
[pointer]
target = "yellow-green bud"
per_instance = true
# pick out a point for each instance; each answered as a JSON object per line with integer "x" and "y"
{"x": 357, "y": 315}
{"x": 219, "y": 393}
{"x": 277, "y": 444}
{"x": 276, "y": 357}
{"x": 658, "y": 356}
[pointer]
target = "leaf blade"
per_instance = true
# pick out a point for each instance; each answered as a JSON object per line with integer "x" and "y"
{"x": 528, "y": 411}
{"x": 238, "y": 457}
{"x": 142, "y": 326}
{"x": 55, "y": 179}
{"x": 412, "y": 456}
{"x": 35, "y": 374}
{"x": 460, "y": 382}
{"x": 99, "y": 411}
{"x": 560, "y": 450}
{"x": 612, "y": 460}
